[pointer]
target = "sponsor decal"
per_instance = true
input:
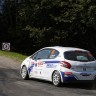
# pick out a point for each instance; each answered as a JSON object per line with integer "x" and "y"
{"x": 40, "y": 63}
{"x": 51, "y": 65}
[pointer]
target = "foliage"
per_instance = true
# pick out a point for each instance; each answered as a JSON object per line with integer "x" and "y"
{"x": 41, "y": 23}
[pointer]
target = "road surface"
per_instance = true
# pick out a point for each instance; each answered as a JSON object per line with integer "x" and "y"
{"x": 11, "y": 84}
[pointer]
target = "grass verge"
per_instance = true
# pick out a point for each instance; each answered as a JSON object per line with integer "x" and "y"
{"x": 16, "y": 56}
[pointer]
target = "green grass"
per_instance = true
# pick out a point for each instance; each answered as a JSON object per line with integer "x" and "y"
{"x": 16, "y": 56}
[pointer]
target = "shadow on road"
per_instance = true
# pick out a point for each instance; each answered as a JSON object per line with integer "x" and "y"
{"x": 14, "y": 75}
{"x": 87, "y": 86}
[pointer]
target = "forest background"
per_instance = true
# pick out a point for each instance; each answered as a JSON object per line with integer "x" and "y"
{"x": 32, "y": 24}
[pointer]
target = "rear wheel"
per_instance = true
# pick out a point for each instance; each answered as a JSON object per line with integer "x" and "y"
{"x": 56, "y": 79}
{"x": 24, "y": 73}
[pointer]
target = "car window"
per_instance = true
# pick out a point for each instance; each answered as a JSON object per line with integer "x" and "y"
{"x": 34, "y": 56}
{"x": 54, "y": 54}
{"x": 78, "y": 56}
{"x": 43, "y": 54}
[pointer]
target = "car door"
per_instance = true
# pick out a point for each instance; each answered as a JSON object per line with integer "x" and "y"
{"x": 51, "y": 64}
{"x": 40, "y": 58}
{"x": 32, "y": 68}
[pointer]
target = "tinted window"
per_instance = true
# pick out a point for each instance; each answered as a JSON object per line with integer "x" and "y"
{"x": 43, "y": 54}
{"x": 78, "y": 56}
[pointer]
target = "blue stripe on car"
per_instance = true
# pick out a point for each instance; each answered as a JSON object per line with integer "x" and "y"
{"x": 52, "y": 61}
{"x": 30, "y": 68}
{"x": 70, "y": 78}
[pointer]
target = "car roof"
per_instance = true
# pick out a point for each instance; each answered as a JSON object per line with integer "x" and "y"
{"x": 60, "y": 48}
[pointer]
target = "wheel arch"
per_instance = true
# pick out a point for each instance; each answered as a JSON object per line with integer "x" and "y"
{"x": 27, "y": 73}
{"x": 59, "y": 73}
{"x": 24, "y": 65}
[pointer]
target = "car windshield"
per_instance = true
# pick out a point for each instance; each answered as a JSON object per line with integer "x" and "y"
{"x": 78, "y": 56}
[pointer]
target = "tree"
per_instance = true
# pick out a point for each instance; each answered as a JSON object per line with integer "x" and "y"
{"x": 42, "y": 23}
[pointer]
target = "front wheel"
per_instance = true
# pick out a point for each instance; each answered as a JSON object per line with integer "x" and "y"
{"x": 56, "y": 79}
{"x": 24, "y": 73}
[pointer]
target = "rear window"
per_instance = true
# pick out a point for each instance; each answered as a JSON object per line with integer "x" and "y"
{"x": 78, "y": 56}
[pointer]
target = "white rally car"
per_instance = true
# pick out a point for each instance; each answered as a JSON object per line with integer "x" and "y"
{"x": 60, "y": 65}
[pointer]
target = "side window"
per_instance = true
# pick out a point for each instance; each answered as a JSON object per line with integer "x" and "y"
{"x": 43, "y": 54}
{"x": 34, "y": 56}
{"x": 54, "y": 54}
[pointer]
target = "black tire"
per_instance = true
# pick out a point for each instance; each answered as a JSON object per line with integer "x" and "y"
{"x": 56, "y": 79}
{"x": 24, "y": 73}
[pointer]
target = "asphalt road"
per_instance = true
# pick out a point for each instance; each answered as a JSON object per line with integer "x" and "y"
{"x": 11, "y": 84}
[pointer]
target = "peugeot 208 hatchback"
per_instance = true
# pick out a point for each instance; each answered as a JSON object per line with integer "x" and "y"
{"x": 60, "y": 65}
